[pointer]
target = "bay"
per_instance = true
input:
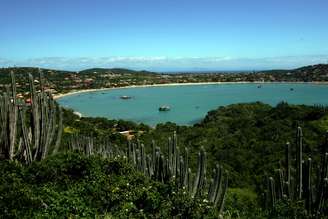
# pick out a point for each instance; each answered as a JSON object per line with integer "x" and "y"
{"x": 188, "y": 104}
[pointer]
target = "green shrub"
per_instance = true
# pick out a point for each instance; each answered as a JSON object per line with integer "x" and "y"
{"x": 71, "y": 185}
{"x": 243, "y": 203}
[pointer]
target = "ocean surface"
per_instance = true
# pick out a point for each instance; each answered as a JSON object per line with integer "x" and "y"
{"x": 188, "y": 104}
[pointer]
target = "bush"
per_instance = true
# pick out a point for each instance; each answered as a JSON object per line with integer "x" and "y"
{"x": 243, "y": 203}
{"x": 71, "y": 185}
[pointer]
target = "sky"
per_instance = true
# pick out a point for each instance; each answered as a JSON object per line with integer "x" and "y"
{"x": 163, "y": 35}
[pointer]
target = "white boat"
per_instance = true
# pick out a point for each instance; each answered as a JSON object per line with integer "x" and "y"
{"x": 164, "y": 108}
{"x": 125, "y": 97}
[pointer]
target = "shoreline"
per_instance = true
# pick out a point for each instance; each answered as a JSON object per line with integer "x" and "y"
{"x": 73, "y": 92}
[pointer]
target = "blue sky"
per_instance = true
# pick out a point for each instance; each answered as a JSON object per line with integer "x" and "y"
{"x": 164, "y": 34}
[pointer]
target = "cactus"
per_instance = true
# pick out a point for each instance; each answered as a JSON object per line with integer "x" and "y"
{"x": 60, "y": 131}
{"x": 215, "y": 185}
{"x": 281, "y": 183}
{"x": 299, "y": 160}
{"x": 287, "y": 162}
{"x": 301, "y": 187}
{"x": 201, "y": 172}
{"x": 186, "y": 169}
{"x": 39, "y": 136}
{"x": 9, "y": 118}
{"x": 221, "y": 196}
{"x": 181, "y": 172}
{"x": 12, "y": 119}
{"x": 272, "y": 191}
{"x": 44, "y": 123}
{"x": 308, "y": 186}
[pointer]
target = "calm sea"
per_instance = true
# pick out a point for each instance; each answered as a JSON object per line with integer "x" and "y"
{"x": 189, "y": 104}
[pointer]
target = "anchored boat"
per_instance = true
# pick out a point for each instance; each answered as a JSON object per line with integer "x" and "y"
{"x": 125, "y": 97}
{"x": 164, "y": 108}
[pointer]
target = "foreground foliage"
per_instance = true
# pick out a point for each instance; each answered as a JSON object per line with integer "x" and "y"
{"x": 71, "y": 185}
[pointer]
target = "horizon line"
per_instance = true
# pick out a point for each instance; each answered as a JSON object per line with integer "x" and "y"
{"x": 169, "y": 64}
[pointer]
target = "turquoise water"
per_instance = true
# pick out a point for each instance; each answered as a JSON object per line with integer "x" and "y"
{"x": 189, "y": 104}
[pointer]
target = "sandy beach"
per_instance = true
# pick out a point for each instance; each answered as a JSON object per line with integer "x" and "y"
{"x": 58, "y": 96}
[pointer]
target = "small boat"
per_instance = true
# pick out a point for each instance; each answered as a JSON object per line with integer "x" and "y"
{"x": 125, "y": 97}
{"x": 164, "y": 108}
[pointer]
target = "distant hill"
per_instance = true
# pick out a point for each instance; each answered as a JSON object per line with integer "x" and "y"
{"x": 317, "y": 72}
{"x": 113, "y": 71}
{"x": 311, "y": 71}
{"x": 35, "y": 71}
{"x": 59, "y": 81}
{"x": 309, "y": 68}
{"x": 22, "y": 72}
{"x": 318, "y": 67}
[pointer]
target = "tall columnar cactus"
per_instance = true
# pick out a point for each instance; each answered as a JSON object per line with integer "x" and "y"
{"x": 215, "y": 183}
{"x": 37, "y": 136}
{"x": 46, "y": 123}
{"x": 272, "y": 191}
{"x": 9, "y": 118}
{"x": 12, "y": 118}
{"x": 201, "y": 173}
{"x": 287, "y": 164}
{"x": 186, "y": 169}
{"x": 308, "y": 186}
{"x": 322, "y": 196}
{"x": 299, "y": 161}
{"x": 302, "y": 187}
{"x": 281, "y": 183}
{"x": 222, "y": 194}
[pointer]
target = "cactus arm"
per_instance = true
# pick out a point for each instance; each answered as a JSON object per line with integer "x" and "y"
{"x": 299, "y": 159}
{"x": 308, "y": 188}
{"x": 60, "y": 131}
{"x": 200, "y": 175}
{"x": 12, "y": 118}
{"x": 26, "y": 140}
{"x": 223, "y": 194}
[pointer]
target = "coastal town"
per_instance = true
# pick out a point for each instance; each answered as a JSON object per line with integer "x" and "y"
{"x": 59, "y": 83}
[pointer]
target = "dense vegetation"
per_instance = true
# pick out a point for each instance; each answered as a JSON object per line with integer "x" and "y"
{"x": 248, "y": 140}
{"x": 247, "y": 165}
{"x": 72, "y": 185}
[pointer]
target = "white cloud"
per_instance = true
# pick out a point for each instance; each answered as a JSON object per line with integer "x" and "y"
{"x": 162, "y": 63}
